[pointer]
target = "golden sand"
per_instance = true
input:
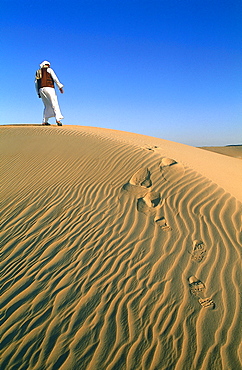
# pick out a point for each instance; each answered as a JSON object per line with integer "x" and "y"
{"x": 120, "y": 251}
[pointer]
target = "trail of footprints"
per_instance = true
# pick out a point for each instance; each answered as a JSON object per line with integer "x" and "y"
{"x": 150, "y": 202}
{"x": 197, "y": 286}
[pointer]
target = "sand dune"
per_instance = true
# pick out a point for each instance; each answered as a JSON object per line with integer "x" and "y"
{"x": 230, "y": 150}
{"x": 120, "y": 251}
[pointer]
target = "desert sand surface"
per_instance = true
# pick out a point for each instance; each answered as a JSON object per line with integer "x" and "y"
{"x": 230, "y": 150}
{"x": 119, "y": 251}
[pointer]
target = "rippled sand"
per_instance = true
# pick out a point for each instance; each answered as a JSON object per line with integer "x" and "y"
{"x": 120, "y": 251}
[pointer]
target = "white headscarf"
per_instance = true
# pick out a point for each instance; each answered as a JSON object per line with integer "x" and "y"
{"x": 44, "y": 63}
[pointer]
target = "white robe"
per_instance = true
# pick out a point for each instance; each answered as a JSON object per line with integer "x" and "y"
{"x": 49, "y": 98}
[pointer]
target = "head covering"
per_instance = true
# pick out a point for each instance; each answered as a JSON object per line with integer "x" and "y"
{"x": 43, "y": 63}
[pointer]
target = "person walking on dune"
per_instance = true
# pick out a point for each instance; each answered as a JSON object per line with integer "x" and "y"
{"x": 45, "y": 80}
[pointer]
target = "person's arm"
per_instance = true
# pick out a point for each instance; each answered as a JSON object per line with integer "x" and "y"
{"x": 56, "y": 80}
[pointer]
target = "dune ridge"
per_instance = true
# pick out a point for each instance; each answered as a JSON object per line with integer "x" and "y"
{"x": 120, "y": 251}
{"x": 230, "y": 150}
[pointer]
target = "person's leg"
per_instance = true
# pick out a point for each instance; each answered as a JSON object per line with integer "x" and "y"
{"x": 48, "y": 109}
{"x": 55, "y": 106}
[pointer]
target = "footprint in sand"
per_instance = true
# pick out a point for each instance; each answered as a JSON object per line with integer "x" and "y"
{"x": 196, "y": 288}
{"x": 152, "y": 148}
{"x": 196, "y": 285}
{"x": 171, "y": 170}
{"x": 207, "y": 302}
{"x": 163, "y": 224}
{"x": 149, "y": 202}
{"x": 165, "y": 162}
{"x": 139, "y": 183}
{"x": 198, "y": 251}
{"x": 141, "y": 178}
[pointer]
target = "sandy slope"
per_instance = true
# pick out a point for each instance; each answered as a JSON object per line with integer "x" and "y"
{"x": 230, "y": 150}
{"x": 120, "y": 251}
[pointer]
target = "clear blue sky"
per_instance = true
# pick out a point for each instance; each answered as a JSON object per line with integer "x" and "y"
{"x": 165, "y": 68}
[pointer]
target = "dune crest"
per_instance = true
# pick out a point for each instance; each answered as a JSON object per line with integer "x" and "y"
{"x": 120, "y": 251}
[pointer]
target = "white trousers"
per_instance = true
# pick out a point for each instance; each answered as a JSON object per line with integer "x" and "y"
{"x": 49, "y": 98}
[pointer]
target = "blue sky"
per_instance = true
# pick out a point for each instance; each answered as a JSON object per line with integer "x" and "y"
{"x": 165, "y": 68}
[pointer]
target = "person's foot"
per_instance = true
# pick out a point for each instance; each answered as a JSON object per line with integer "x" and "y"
{"x": 46, "y": 123}
{"x": 59, "y": 123}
